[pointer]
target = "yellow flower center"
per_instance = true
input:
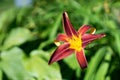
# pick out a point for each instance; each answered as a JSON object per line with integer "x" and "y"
{"x": 75, "y": 43}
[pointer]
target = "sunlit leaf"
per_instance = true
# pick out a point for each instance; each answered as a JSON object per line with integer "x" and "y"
{"x": 37, "y": 66}
{"x": 16, "y": 37}
{"x": 11, "y": 64}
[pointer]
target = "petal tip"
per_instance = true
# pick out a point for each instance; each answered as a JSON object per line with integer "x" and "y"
{"x": 103, "y": 35}
{"x": 81, "y": 59}
{"x": 83, "y": 66}
{"x": 49, "y": 63}
{"x": 65, "y": 15}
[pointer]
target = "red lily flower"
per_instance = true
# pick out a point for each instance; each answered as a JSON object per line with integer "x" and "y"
{"x": 73, "y": 41}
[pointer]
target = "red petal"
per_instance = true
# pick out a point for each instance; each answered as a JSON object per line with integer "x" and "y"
{"x": 81, "y": 59}
{"x": 88, "y": 38}
{"x": 61, "y": 52}
{"x": 82, "y": 30}
{"x": 61, "y": 37}
{"x": 68, "y": 26}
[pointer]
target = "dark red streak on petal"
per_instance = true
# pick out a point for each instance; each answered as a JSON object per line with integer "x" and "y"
{"x": 82, "y": 30}
{"x": 69, "y": 30}
{"x": 61, "y": 37}
{"x": 60, "y": 53}
{"x": 81, "y": 59}
{"x": 88, "y": 38}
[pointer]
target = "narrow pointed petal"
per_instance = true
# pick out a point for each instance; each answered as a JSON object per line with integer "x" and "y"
{"x": 62, "y": 37}
{"x": 81, "y": 59}
{"x": 69, "y": 30}
{"x": 61, "y": 52}
{"x": 88, "y": 38}
{"x": 82, "y": 30}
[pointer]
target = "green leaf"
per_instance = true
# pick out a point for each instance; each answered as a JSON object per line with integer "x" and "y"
{"x": 11, "y": 64}
{"x": 37, "y": 66}
{"x": 117, "y": 41}
{"x": 56, "y": 24}
{"x": 53, "y": 32}
{"x": 71, "y": 60}
{"x": 108, "y": 78}
{"x": 21, "y": 13}
{"x": 73, "y": 64}
{"x": 111, "y": 24}
{"x": 0, "y": 75}
{"x": 6, "y": 18}
{"x": 104, "y": 66}
{"x": 116, "y": 5}
{"x": 16, "y": 37}
{"x": 94, "y": 62}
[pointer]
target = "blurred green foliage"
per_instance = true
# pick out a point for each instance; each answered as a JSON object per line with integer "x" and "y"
{"x": 27, "y": 35}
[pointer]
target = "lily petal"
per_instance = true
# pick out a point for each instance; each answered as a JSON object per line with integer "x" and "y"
{"x": 82, "y": 30}
{"x": 69, "y": 30}
{"x": 62, "y": 37}
{"x": 88, "y": 38}
{"x": 81, "y": 59}
{"x": 61, "y": 52}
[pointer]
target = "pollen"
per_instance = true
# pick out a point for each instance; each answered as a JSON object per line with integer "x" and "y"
{"x": 75, "y": 43}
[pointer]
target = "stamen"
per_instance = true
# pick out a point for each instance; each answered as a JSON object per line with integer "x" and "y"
{"x": 92, "y": 30}
{"x": 57, "y": 43}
